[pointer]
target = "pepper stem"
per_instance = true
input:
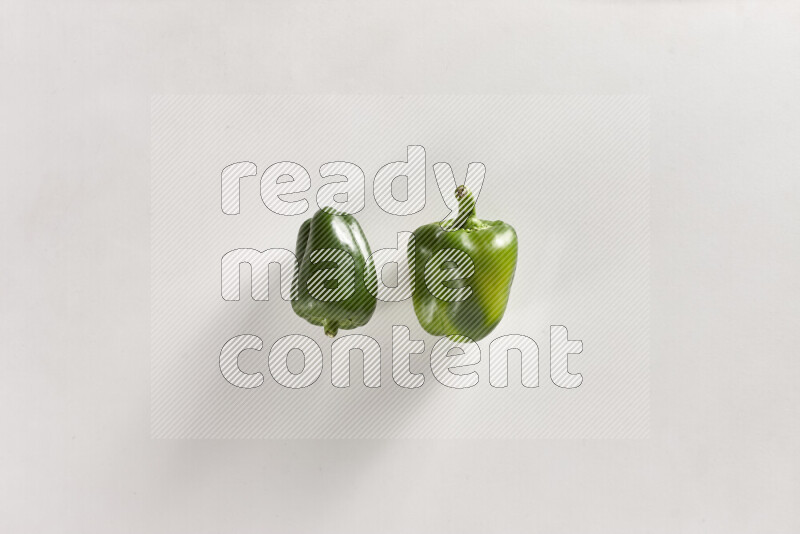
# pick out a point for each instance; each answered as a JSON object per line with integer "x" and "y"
{"x": 331, "y": 328}
{"x": 466, "y": 206}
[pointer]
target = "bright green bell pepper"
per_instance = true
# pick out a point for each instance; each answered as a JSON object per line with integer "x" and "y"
{"x": 492, "y": 247}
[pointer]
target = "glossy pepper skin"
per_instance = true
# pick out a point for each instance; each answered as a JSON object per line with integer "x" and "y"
{"x": 492, "y": 246}
{"x": 331, "y": 229}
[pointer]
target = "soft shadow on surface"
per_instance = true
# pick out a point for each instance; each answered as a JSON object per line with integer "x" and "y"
{"x": 202, "y": 404}
{"x": 326, "y": 473}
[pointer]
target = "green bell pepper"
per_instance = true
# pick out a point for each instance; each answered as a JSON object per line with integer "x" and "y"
{"x": 331, "y": 290}
{"x": 492, "y": 247}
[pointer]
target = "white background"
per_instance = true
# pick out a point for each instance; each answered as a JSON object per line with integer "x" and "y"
{"x": 569, "y": 173}
{"x": 77, "y": 77}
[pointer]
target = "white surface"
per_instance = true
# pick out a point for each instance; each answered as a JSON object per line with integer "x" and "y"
{"x": 723, "y": 81}
{"x": 571, "y": 174}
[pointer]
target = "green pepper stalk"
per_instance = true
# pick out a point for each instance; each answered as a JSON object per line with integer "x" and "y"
{"x": 492, "y": 248}
{"x": 466, "y": 218}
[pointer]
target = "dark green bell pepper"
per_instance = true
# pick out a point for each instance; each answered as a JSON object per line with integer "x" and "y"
{"x": 492, "y": 247}
{"x": 330, "y": 290}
